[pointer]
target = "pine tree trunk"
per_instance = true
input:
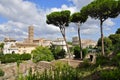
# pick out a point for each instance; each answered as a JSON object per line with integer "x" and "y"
{"x": 81, "y": 55}
{"x": 102, "y": 37}
{"x": 68, "y": 52}
{"x": 63, "y": 34}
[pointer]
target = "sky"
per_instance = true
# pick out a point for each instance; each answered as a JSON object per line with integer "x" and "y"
{"x": 17, "y": 15}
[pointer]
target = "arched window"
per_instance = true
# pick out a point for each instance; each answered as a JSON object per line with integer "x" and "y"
{"x": 13, "y": 52}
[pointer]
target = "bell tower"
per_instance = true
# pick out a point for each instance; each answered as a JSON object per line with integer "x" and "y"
{"x": 30, "y": 34}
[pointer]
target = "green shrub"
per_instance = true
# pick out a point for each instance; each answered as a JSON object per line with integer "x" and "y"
{"x": 42, "y": 54}
{"x": 57, "y": 51}
{"x": 110, "y": 74}
{"x": 84, "y": 51}
{"x": 77, "y": 52}
{"x": 107, "y": 45}
{"x": 1, "y": 72}
{"x": 9, "y": 58}
{"x": 102, "y": 60}
{"x": 25, "y": 56}
{"x": 85, "y": 64}
{"x": 115, "y": 61}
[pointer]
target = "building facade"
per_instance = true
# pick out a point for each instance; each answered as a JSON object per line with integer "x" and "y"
{"x": 60, "y": 42}
{"x": 29, "y": 44}
{"x": 85, "y": 43}
{"x": 25, "y": 47}
{"x": 10, "y": 46}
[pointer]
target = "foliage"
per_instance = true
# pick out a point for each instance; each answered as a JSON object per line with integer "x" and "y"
{"x": 115, "y": 38}
{"x": 42, "y": 54}
{"x": 107, "y": 45}
{"x": 1, "y": 47}
{"x": 110, "y": 74}
{"x": 77, "y": 52}
{"x": 8, "y": 58}
{"x": 79, "y": 18}
{"x": 70, "y": 43}
{"x": 102, "y": 60}
{"x": 60, "y": 19}
{"x": 102, "y": 10}
{"x": 85, "y": 64}
{"x": 117, "y": 48}
{"x": 60, "y": 72}
{"x": 118, "y": 31}
{"x": 115, "y": 61}
{"x": 58, "y": 52}
{"x": 85, "y": 51}
{"x": 1, "y": 72}
{"x": 71, "y": 49}
{"x": 116, "y": 42}
{"x": 25, "y": 56}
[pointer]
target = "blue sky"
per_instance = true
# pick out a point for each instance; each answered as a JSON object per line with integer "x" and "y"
{"x": 50, "y": 3}
{"x": 17, "y": 15}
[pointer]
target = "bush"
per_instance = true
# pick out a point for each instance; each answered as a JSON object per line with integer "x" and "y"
{"x": 77, "y": 52}
{"x": 8, "y": 58}
{"x": 25, "y": 56}
{"x": 110, "y": 74}
{"x": 57, "y": 52}
{"x": 42, "y": 54}
{"x": 102, "y": 60}
{"x": 115, "y": 61}
{"x": 1, "y": 72}
{"x": 107, "y": 45}
{"x": 84, "y": 51}
{"x": 85, "y": 64}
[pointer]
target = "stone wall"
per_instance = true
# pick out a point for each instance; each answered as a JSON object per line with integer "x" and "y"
{"x": 10, "y": 69}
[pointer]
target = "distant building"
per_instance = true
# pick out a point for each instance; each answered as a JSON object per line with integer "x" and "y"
{"x": 46, "y": 43}
{"x": 38, "y": 41}
{"x": 60, "y": 42}
{"x": 85, "y": 43}
{"x": 29, "y": 44}
{"x": 25, "y": 47}
{"x": 75, "y": 41}
{"x": 42, "y": 42}
{"x": 10, "y": 46}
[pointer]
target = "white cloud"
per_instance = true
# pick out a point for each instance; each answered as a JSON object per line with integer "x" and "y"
{"x": 22, "y": 13}
{"x": 80, "y": 3}
{"x": 109, "y": 22}
{"x": 64, "y": 7}
{"x": 19, "y": 11}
